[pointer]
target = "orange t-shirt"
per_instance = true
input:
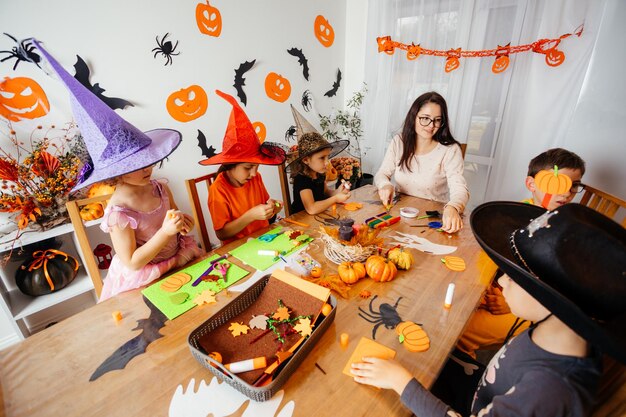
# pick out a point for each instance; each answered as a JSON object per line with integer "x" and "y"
{"x": 227, "y": 203}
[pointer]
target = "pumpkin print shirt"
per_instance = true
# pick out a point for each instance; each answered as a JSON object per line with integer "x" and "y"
{"x": 522, "y": 380}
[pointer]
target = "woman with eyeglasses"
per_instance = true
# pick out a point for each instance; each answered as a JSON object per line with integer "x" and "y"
{"x": 426, "y": 161}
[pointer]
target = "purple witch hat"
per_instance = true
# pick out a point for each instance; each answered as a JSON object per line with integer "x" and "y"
{"x": 115, "y": 146}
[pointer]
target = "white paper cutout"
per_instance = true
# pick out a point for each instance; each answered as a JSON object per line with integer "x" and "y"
{"x": 422, "y": 244}
{"x": 221, "y": 400}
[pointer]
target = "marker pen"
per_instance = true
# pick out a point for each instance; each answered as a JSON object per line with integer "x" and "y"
{"x": 247, "y": 365}
{"x": 449, "y": 294}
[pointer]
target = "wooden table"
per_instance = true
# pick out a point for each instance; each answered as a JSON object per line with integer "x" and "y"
{"x": 48, "y": 373}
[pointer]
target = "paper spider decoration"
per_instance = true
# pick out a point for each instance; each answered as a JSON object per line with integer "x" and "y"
{"x": 166, "y": 49}
{"x": 23, "y": 51}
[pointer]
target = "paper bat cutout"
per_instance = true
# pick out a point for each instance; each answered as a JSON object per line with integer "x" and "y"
{"x": 336, "y": 84}
{"x": 240, "y": 81}
{"x": 208, "y": 152}
{"x": 301, "y": 60}
{"x": 82, "y": 75}
{"x": 137, "y": 345}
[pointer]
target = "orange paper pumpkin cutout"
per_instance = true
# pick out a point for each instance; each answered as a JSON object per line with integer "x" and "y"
{"x": 208, "y": 19}
{"x": 454, "y": 263}
{"x": 277, "y": 87}
{"x": 187, "y": 104}
{"x": 554, "y": 57}
{"x": 413, "y": 52}
{"x": 500, "y": 64}
{"x": 22, "y": 98}
{"x": 413, "y": 337}
{"x": 260, "y": 130}
{"x": 324, "y": 32}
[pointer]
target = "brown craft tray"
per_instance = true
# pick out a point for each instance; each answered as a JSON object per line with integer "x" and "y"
{"x": 234, "y": 308}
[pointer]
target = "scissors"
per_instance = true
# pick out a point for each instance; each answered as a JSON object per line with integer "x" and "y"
{"x": 432, "y": 225}
{"x": 327, "y": 219}
{"x": 270, "y": 237}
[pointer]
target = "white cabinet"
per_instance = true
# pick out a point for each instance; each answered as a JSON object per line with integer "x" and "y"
{"x": 29, "y": 314}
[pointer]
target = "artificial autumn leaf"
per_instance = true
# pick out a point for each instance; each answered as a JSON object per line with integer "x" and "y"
{"x": 238, "y": 329}
{"x": 205, "y": 297}
{"x": 304, "y": 327}
{"x": 332, "y": 282}
{"x": 259, "y": 322}
{"x": 282, "y": 313}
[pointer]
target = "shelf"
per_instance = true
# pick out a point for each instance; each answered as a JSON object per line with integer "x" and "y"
{"x": 23, "y": 305}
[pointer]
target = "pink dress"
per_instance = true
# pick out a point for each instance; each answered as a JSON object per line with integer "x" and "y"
{"x": 176, "y": 253}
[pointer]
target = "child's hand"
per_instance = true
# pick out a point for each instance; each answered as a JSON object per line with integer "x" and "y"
{"x": 262, "y": 211}
{"x": 188, "y": 224}
{"x": 495, "y": 302}
{"x": 345, "y": 186}
{"x": 276, "y": 205}
{"x": 386, "y": 194}
{"x": 173, "y": 222}
{"x": 451, "y": 220}
{"x": 381, "y": 373}
{"x": 342, "y": 196}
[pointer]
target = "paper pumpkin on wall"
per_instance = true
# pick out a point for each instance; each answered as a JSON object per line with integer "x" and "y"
{"x": 277, "y": 87}
{"x": 187, "y": 104}
{"x": 22, "y": 98}
{"x": 552, "y": 182}
{"x": 323, "y": 31}
{"x": 260, "y": 130}
{"x": 208, "y": 19}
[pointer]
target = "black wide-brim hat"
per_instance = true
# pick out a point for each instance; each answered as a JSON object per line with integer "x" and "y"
{"x": 572, "y": 260}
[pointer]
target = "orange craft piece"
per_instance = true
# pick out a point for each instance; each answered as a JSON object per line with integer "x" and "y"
{"x": 551, "y": 182}
{"x": 412, "y": 336}
{"x": 324, "y": 32}
{"x": 238, "y": 329}
{"x": 117, "y": 316}
{"x": 353, "y": 206}
{"x": 277, "y": 87}
{"x": 209, "y": 19}
{"x": 327, "y": 309}
{"x": 413, "y": 52}
{"x": 380, "y": 269}
{"x": 22, "y": 98}
{"x": 187, "y": 104}
{"x": 454, "y": 263}
{"x": 452, "y": 62}
{"x": 205, "y": 297}
{"x": 365, "y": 294}
{"x": 554, "y": 57}
{"x": 260, "y": 130}
{"x": 174, "y": 282}
{"x": 282, "y": 313}
{"x": 316, "y": 272}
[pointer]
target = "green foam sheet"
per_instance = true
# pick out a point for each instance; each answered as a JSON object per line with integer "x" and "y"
{"x": 248, "y": 252}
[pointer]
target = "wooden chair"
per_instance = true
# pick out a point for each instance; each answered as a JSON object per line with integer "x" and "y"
{"x": 73, "y": 209}
{"x": 463, "y": 149}
{"x": 602, "y": 202}
{"x": 197, "y": 205}
{"x": 284, "y": 186}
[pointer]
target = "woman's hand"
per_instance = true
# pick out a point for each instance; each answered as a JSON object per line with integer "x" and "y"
{"x": 173, "y": 222}
{"x": 451, "y": 220}
{"x": 386, "y": 194}
{"x": 381, "y": 373}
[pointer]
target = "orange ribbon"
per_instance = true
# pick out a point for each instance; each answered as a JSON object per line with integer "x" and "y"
{"x": 41, "y": 260}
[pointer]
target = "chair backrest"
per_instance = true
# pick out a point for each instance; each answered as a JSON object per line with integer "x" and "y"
{"x": 602, "y": 202}
{"x": 73, "y": 209}
{"x": 284, "y": 186}
{"x": 197, "y": 205}
{"x": 463, "y": 149}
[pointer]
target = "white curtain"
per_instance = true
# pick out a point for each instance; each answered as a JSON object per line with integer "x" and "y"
{"x": 506, "y": 118}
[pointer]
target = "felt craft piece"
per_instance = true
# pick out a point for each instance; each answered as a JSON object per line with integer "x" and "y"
{"x": 205, "y": 297}
{"x": 386, "y": 315}
{"x": 260, "y": 130}
{"x": 422, "y": 244}
{"x": 323, "y": 31}
{"x": 249, "y": 251}
{"x": 237, "y": 329}
{"x": 454, "y": 263}
{"x": 277, "y": 87}
{"x": 220, "y": 400}
{"x": 137, "y": 345}
{"x": 412, "y": 337}
{"x": 83, "y": 74}
{"x": 22, "y": 98}
{"x": 333, "y": 91}
{"x": 22, "y": 52}
{"x": 258, "y": 322}
{"x": 187, "y": 104}
{"x": 240, "y": 81}
{"x": 302, "y": 298}
{"x": 306, "y": 101}
{"x": 166, "y": 49}
{"x": 206, "y": 151}
{"x": 353, "y": 206}
{"x": 365, "y": 294}
{"x": 179, "y": 298}
{"x": 161, "y": 299}
{"x": 282, "y": 313}
{"x": 304, "y": 63}
{"x": 208, "y": 19}
{"x": 547, "y": 47}
{"x": 304, "y": 327}
{"x": 369, "y": 348}
{"x": 175, "y": 281}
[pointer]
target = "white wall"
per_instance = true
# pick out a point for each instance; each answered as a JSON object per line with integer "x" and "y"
{"x": 116, "y": 37}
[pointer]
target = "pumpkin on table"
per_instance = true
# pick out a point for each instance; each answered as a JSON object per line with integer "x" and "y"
{"x": 46, "y": 272}
{"x": 401, "y": 257}
{"x": 380, "y": 269}
{"x": 351, "y": 272}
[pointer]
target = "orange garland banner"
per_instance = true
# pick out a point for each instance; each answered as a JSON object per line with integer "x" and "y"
{"x": 548, "y": 47}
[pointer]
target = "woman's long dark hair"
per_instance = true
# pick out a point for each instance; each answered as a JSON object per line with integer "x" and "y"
{"x": 409, "y": 137}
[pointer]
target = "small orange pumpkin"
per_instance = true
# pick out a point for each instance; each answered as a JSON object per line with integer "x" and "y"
{"x": 277, "y": 87}
{"x": 91, "y": 211}
{"x": 551, "y": 182}
{"x": 100, "y": 188}
{"x": 323, "y": 31}
{"x": 187, "y": 104}
{"x": 380, "y": 269}
{"x": 454, "y": 263}
{"x": 351, "y": 272}
{"x": 260, "y": 130}
{"x": 22, "y": 98}
{"x": 208, "y": 19}
{"x": 412, "y": 336}
{"x": 316, "y": 272}
{"x": 554, "y": 57}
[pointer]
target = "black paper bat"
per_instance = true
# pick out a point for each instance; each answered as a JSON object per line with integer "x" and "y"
{"x": 336, "y": 84}
{"x": 135, "y": 346}
{"x": 301, "y": 60}
{"x": 82, "y": 75}
{"x": 240, "y": 81}
{"x": 208, "y": 152}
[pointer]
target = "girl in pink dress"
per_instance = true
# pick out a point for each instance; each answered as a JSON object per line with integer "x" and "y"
{"x": 148, "y": 232}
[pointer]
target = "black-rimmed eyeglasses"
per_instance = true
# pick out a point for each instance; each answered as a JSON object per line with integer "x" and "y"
{"x": 425, "y": 121}
{"x": 577, "y": 188}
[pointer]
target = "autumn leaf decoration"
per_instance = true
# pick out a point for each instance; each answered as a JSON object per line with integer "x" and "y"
{"x": 237, "y": 329}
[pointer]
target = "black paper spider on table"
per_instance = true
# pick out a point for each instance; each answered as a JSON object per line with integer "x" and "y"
{"x": 23, "y": 51}
{"x": 307, "y": 100}
{"x": 166, "y": 49}
{"x": 290, "y": 133}
{"x": 386, "y": 315}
